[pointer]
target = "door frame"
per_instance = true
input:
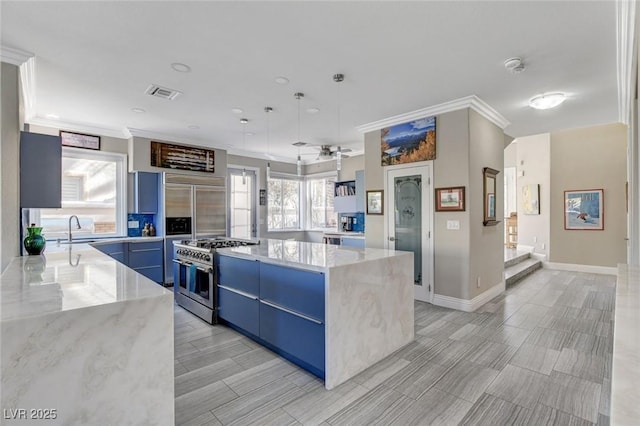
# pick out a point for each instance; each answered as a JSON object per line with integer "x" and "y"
{"x": 255, "y": 198}
{"x": 428, "y": 217}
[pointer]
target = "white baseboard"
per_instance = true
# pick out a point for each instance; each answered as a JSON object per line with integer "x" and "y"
{"x": 591, "y": 269}
{"x": 539, "y": 256}
{"x": 522, "y": 247}
{"x": 469, "y": 305}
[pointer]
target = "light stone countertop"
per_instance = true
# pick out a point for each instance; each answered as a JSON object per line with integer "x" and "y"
{"x": 70, "y": 277}
{"x": 311, "y": 256}
{"x": 625, "y": 395}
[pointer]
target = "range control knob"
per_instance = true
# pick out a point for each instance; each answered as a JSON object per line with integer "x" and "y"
{"x": 207, "y": 258}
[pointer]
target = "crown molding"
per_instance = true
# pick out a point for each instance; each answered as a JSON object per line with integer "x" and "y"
{"x": 28, "y": 82}
{"x": 472, "y": 102}
{"x": 625, "y": 56}
{"x": 78, "y": 127}
{"x": 13, "y": 56}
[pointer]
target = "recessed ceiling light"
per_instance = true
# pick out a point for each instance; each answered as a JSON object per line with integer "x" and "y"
{"x": 547, "y": 100}
{"x": 194, "y": 127}
{"x": 282, "y": 80}
{"x": 53, "y": 116}
{"x": 138, "y": 110}
{"x": 244, "y": 120}
{"x": 250, "y": 134}
{"x": 313, "y": 110}
{"x": 237, "y": 110}
{"x": 177, "y": 66}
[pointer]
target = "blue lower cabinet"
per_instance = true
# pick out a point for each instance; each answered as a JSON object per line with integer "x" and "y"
{"x": 295, "y": 289}
{"x": 296, "y": 336}
{"x": 147, "y": 258}
{"x": 239, "y": 310}
{"x": 114, "y": 250}
{"x": 154, "y": 273}
{"x": 239, "y": 274}
{"x": 353, "y": 242}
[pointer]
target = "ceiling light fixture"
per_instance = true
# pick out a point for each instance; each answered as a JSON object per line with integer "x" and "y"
{"x": 267, "y": 110}
{"x": 177, "y": 66}
{"x": 237, "y": 110}
{"x": 338, "y": 78}
{"x": 281, "y": 80}
{"x": 298, "y": 96}
{"x": 138, "y": 110}
{"x": 244, "y": 122}
{"x": 53, "y": 116}
{"x": 313, "y": 110}
{"x": 194, "y": 127}
{"x": 514, "y": 65}
{"x": 547, "y": 100}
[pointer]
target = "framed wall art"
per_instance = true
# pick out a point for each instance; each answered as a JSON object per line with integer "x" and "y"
{"x": 531, "y": 199}
{"x": 409, "y": 142}
{"x": 489, "y": 189}
{"x": 182, "y": 157}
{"x": 79, "y": 140}
{"x": 584, "y": 210}
{"x": 375, "y": 202}
{"x": 450, "y": 199}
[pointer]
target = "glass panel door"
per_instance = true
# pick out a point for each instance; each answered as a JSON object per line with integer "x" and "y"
{"x": 409, "y": 219}
{"x": 242, "y": 204}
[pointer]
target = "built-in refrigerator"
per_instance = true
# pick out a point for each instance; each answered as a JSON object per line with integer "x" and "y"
{"x": 194, "y": 207}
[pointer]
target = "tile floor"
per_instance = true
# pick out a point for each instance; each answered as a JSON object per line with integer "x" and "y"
{"x": 538, "y": 354}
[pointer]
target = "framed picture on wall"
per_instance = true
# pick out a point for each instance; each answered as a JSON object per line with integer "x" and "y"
{"x": 375, "y": 202}
{"x": 79, "y": 140}
{"x": 584, "y": 210}
{"x": 450, "y": 199}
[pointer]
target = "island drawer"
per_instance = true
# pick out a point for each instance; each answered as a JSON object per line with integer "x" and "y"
{"x": 294, "y": 289}
{"x": 239, "y": 274}
{"x": 145, "y": 254}
{"x": 297, "y": 336}
{"x": 240, "y": 310}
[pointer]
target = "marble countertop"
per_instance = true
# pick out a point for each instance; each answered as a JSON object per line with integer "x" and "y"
{"x": 346, "y": 234}
{"x": 311, "y": 256}
{"x": 71, "y": 277}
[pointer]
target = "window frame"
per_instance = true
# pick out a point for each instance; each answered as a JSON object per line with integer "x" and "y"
{"x": 120, "y": 159}
{"x": 301, "y": 203}
{"x": 308, "y": 179}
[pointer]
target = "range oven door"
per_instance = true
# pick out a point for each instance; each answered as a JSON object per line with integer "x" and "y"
{"x": 194, "y": 281}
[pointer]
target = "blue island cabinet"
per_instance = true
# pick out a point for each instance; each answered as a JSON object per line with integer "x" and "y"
{"x": 238, "y": 292}
{"x": 146, "y": 258}
{"x": 117, "y": 251}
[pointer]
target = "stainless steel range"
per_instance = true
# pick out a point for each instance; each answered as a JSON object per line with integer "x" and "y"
{"x": 194, "y": 274}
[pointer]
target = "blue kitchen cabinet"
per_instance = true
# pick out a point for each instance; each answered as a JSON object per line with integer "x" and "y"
{"x": 40, "y": 171}
{"x": 238, "y": 291}
{"x": 146, "y": 258}
{"x": 118, "y": 251}
{"x": 352, "y": 242}
{"x": 292, "y": 313}
{"x": 145, "y": 190}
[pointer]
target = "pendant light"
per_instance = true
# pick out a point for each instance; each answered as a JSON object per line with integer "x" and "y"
{"x": 244, "y": 122}
{"x": 298, "y": 96}
{"x": 338, "y": 78}
{"x": 268, "y": 109}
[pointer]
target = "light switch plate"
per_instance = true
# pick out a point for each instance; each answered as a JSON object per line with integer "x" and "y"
{"x": 453, "y": 225}
{"x": 133, "y": 224}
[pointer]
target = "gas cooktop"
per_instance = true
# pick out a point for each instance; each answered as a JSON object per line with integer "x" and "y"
{"x": 215, "y": 243}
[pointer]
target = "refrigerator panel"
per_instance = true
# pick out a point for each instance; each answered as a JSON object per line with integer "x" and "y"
{"x": 210, "y": 210}
{"x": 177, "y": 200}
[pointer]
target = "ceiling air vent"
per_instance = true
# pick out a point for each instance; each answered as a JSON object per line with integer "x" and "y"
{"x": 161, "y": 92}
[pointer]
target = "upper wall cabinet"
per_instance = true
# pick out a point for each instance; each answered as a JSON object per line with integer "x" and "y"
{"x": 145, "y": 190}
{"x": 40, "y": 171}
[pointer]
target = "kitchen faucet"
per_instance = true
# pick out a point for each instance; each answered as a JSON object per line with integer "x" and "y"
{"x": 77, "y": 224}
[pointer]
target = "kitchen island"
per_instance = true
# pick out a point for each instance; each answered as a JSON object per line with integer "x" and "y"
{"x": 333, "y": 310}
{"x": 85, "y": 340}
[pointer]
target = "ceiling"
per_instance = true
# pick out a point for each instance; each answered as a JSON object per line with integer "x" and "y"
{"x": 94, "y": 61}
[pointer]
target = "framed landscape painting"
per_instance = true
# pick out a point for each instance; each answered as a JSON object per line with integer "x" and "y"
{"x": 409, "y": 142}
{"x": 450, "y": 199}
{"x": 584, "y": 210}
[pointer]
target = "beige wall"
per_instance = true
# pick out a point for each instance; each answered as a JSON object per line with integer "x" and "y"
{"x": 589, "y": 158}
{"x": 9, "y": 165}
{"x": 534, "y": 161}
{"x": 466, "y": 142}
{"x": 486, "y": 149}
{"x": 451, "y": 168}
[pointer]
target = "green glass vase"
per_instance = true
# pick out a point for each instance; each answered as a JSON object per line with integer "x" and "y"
{"x": 34, "y": 242}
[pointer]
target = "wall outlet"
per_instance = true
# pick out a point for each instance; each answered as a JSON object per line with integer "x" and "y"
{"x": 543, "y": 246}
{"x": 453, "y": 224}
{"x": 133, "y": 224}
{"x": 535, "y": 239}
{"x": 478, "y": 281}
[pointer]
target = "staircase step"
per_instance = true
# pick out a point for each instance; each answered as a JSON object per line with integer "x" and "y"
{"x": 516, "y": 258}
{"x": 516, "y": 272}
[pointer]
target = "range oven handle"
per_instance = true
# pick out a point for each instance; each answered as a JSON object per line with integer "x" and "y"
{"x": 189, "y": 264}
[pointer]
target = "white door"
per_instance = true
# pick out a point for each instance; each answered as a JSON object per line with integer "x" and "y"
{"x": 242, "y": 203}
{"x": 409, "y": 220}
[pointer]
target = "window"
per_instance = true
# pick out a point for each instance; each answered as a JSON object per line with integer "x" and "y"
{"x": 94, "y": 189}
{"x": 284, "y": 194}
{"x": 320, "y": 197}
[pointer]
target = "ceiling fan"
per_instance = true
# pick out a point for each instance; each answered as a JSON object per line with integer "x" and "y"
{"x": 325, "y": 151}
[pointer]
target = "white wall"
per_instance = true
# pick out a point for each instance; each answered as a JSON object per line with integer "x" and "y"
{"x": 533, "y": 159}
